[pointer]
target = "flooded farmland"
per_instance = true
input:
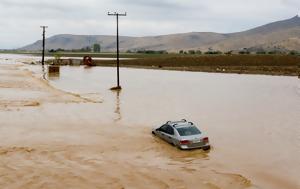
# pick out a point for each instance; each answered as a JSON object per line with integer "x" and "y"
{"x": 71, "y": 131}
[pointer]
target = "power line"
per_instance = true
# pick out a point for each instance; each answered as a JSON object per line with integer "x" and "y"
{"x": 118, "y": 56}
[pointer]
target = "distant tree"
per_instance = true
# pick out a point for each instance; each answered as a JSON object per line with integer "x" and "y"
{"x": 192, "y": 52}
{"x": 60, "y": 50}
{"x": 88, "y": 49}
{"x": 56, "y": 50}
{"x": 85, "y": 49}
{"x": 213, "y": 52}
{"x": 57, "y": 57}
{"x": 294, "y": 52}
{"x": 97, "y": 47}
{"x": 152, "y": 52}
{"x": 181, "y": 52}
{"x": 274, "y": 52}
{"x": 244, "y": 52}
{"x": 198, "y": 52}
{"x": 261, "y": 52}
{"x": 228, "y": 52}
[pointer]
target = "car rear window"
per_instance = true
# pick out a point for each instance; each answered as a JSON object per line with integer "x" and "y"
{"x": 187, "y": 131}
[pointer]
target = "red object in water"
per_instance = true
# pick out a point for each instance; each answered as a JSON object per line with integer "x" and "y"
{"x": 87, "y": 60}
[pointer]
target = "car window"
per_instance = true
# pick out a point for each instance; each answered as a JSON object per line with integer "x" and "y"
{"x": 187, "y": 131}
{"x": 163, "y": 128}
{"x": 170, "y": 130}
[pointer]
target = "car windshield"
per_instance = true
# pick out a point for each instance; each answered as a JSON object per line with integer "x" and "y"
{"x": 187, "y": 131}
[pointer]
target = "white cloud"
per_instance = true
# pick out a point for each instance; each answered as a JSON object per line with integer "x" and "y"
{"x": 20, "y": 20}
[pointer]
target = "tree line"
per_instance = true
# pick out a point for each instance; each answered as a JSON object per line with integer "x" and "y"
{"x": 94, "y": 48}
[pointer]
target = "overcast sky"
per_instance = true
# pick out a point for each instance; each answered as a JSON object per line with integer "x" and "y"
{"x": 20, "y": 20}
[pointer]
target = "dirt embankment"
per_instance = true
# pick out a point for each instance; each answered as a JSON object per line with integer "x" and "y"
{"x": 19, "y": 88}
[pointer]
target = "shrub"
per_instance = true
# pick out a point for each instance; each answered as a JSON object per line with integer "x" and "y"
{"x": 198, "y": 52}
{"x": 294, "y": 52}
{"x": 244, "y": 52}
{"x": 97, "y": 47}
{"x": 192, "y": 52}
{"x": 213, "y": 52}
{"x": 261, "y": 52}
{"x": 228, "y": 52}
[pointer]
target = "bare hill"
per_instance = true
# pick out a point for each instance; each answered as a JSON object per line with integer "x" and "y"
{"x": 282, "y": 35}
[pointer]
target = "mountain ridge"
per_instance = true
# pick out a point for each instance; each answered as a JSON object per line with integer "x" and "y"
{"x": 282, "y": 35}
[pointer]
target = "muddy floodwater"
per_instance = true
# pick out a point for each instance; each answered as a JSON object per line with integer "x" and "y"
{"x": 68, "y": 130}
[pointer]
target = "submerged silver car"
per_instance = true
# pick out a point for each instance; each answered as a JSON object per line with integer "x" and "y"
{"x": 183, "y": 134}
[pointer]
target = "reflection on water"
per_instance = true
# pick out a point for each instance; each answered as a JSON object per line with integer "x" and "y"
{"x": 53, "y": 76}
{"x": 118, "y": 106}
{"x": 46, "y": 75}
{"x": 44, "y": 72}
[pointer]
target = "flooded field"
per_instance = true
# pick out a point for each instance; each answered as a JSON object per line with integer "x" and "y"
{"x": 71, "y": 131}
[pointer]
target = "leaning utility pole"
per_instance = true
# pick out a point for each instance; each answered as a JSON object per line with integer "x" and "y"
{"x": 43, "y": 56}
{"x": 118, "y": 56}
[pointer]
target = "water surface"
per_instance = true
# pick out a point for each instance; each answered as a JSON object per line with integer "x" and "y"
{"x": 253, "y": 121}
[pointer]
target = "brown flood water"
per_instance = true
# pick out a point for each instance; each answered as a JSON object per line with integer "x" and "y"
{"x": 75, "y": 133}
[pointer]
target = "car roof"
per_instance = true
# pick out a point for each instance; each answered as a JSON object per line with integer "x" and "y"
{"x": 181, "y": 123}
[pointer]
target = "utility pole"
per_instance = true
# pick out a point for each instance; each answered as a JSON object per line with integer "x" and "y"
{"x": 118, "y": 56}
{"x": 43, "y": 55}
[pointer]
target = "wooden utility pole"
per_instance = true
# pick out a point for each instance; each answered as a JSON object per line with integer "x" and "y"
{"x": 118, "y": 56}
{"x": 43, "y": 54}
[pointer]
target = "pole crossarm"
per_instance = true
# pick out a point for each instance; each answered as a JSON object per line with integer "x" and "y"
{"x": 116, "y": 14}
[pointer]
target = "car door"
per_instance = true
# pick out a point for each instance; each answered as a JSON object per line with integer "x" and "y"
{"x": 162, "y": 132}
{"x": 169, "y": 136}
